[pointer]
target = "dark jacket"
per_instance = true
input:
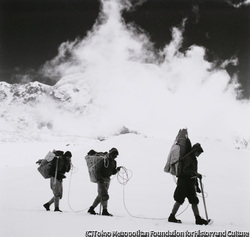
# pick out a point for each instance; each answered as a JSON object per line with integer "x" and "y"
{"x": 107, "y": 169}
{"x": 63, "y": 165}
{"x": 188, "y": 167}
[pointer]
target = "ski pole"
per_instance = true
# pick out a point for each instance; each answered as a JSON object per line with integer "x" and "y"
{"x": 203, "y": 197}
{"x": 57, "y": 159}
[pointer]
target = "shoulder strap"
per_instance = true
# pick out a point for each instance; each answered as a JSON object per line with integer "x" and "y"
{"x": 183, "y": 157}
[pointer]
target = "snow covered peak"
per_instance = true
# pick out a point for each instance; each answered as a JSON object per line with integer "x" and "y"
{"x": 34, "y": 92}
{"x": 25, "y": 93}
{"x": 73, "y": 91}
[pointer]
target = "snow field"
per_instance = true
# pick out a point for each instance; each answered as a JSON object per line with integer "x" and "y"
{"x": 147, "y": 195}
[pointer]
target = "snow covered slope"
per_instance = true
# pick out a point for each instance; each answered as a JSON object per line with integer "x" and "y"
{"x": 144, "y": 203}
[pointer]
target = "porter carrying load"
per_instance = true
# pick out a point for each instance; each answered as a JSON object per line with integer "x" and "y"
{"x": 45, "y": 164}
{"x": 94, "y": 161}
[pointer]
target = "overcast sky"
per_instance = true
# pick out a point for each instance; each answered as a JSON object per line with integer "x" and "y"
{"x": 32, "y": 30}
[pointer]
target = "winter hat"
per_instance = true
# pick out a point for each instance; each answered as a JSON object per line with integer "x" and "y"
{"x": 68, "y": 154}
{"x": 114, "y": 152}
{"x": 92, "y": 152}
{"x": 197, "y": 147}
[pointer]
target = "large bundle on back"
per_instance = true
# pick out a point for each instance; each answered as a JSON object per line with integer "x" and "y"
{"x": 94, "y": 161}
{"x": 45, "y": 165}
{"x": 180, "y": 147}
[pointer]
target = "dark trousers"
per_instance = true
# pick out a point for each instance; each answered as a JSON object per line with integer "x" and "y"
{"x": 186, "y": 188}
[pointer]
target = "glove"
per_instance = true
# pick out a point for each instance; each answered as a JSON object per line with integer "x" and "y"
{"x": 199, "y": 176}
{"x": 60, "y": 177}
{"x": 118, "y": 168}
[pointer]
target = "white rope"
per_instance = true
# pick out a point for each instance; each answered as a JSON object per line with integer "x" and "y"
{"x": 73, "y": 170}
{"x": 123, "y": 176}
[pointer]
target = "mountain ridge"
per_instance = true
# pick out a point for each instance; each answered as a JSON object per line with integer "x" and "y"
{"x": 64, "y": 94}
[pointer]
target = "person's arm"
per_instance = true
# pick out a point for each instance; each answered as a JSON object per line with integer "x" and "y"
{"x": 68, "y": 164}
{"x": 116, "y": 169}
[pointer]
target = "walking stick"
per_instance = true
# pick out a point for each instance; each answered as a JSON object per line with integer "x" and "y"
{"x": 57, "y": 159}
{"x": 100, "y": 210}
{"x": 203, "y": 197}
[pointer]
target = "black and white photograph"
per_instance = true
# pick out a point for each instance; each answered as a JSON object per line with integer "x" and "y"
{"x": 124, "y": 118}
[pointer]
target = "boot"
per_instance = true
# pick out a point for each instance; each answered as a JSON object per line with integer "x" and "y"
{"x": 106, "y": 213}
{"x": 57, "y": 209}
{"x": 172, "y": 218}
{"x": 46, "y": 206}
{"x": 92, "y": 211}
{"x": 200, "y": 221}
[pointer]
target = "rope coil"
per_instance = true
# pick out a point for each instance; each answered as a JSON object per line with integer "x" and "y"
{"x": 124, "y": 175}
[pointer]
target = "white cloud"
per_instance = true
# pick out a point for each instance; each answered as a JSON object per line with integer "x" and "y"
{"x": 176, "y": 89}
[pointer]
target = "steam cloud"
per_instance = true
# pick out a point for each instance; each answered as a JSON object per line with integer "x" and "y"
{"x": 132, "y": 85}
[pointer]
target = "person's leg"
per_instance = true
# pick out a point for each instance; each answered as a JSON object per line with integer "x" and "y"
{"x": 102, "y": 197}
{"x": 47, "y": 204}
{"x": 172, "y": 218}
{"x": 175, "y": 208}
{"x": 195, "y": 210}
{"x": 57, "y": 188}
{"x": 97, "y": 200}
{"x": 198, "y": 219}
{"x": 56, "y": 202}
{"x": 105, "y": 197}
{"x": 179, "y": 197}
{"x": 194, "y": 201}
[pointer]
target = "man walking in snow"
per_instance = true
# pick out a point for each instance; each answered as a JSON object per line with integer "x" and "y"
{"x": 187, "y": 185}
{"x": 60, "y": 165}
{"x": 103, "y": 174}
